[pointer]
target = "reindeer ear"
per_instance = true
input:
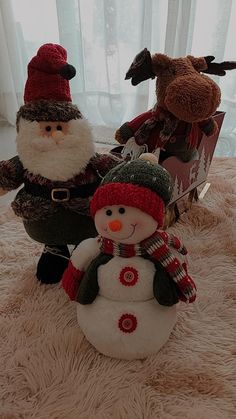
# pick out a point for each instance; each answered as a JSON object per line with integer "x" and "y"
{"x": 209, "y": 59}
{"x": 218, "y": 69}
{"x": 199, "y": 63}
{"x": 141, "y": 68}
{"x": 160, "y": 62}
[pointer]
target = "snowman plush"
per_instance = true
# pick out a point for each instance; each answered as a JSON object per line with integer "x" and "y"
{"x": 56, "y": 165}
{"x": 127, "y": 281}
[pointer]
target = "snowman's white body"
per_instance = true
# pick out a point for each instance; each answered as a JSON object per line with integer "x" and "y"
{"x": 117, "y": 308}
{"x": 125, "y": 320}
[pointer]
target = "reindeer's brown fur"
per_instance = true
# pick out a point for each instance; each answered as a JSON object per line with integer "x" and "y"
{"x": 182, "y": 90}
{"x": 186, "y": 98}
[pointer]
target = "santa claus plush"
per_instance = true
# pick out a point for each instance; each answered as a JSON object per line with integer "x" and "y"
{"x": 56, "y": 163}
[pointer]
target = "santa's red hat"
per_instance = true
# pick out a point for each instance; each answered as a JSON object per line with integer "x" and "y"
{"x": 48, "y": 75}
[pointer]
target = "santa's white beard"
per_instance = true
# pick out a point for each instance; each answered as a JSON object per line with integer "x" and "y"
{"x": 41, "y": 155}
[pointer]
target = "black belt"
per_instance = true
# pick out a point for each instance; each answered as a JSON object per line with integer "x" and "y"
{"x": 61, "y": 194}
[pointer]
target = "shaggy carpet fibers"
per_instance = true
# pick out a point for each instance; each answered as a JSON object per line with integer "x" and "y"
{"x": 49, "y": 370}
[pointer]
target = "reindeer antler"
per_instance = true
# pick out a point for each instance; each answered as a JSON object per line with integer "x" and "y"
{"x": 218, "y": 69}
{"x": 141, "y": 68}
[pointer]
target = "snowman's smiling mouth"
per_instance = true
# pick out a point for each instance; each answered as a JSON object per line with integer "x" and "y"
{"x": 124, "y": 238}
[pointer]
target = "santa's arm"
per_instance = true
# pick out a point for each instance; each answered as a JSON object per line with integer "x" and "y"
{"x": 128, "y": 129}
{"x": 11, "y": 174}
{"x": 81, "y": 257}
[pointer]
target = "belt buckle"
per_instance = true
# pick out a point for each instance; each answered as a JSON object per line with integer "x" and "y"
{"x": 54, "y": 199}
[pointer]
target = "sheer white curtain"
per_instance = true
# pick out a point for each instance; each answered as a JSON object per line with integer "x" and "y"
{"x": 103, "y": 36}
{"x": 11, "y": 75}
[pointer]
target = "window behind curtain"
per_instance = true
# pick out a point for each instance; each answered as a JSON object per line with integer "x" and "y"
{"x": 103, "y": 36}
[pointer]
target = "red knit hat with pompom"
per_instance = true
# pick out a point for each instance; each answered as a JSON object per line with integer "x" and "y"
{"x": 48, "y": 75}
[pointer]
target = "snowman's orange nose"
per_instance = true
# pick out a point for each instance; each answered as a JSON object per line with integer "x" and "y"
{"x": 115, "y": 225}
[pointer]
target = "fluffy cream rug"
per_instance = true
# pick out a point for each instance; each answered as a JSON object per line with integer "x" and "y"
{"x": 49, "y": 371}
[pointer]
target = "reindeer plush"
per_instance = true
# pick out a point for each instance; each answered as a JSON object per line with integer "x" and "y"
{"x": 186, "y": 101}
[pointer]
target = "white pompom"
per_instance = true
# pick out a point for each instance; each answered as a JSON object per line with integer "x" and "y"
{"x": 149, "y": 157}
{"x": 156, "y": 153}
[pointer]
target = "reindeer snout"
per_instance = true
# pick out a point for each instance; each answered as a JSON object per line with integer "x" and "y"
{"x": 192, "y": 98}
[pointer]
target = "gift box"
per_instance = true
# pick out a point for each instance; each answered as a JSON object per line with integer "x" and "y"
{"x": 188, "y": 176}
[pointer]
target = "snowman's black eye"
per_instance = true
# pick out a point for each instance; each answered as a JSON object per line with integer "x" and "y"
{"x": 121, "y": 210}
{"x": 108, "y": 212}
{"x": 59, "y": 128}
{"x": 48, "y": 128}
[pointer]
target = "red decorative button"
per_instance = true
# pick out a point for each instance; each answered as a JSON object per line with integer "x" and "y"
{"x": 128, "y": 276}
{"x": 127, "y": 323}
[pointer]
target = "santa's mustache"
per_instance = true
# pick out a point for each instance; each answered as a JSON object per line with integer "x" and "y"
{"x": 45, "y": 143}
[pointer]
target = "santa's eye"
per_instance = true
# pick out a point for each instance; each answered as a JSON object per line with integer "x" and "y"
{"x": 48, "y": 128}
{"x": 59, "y": 128}
{"x": 121, "y": 210}
{"x": 109, "y": 212}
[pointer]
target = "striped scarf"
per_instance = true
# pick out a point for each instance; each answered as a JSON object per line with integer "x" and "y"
{"x": 157, "y": 247}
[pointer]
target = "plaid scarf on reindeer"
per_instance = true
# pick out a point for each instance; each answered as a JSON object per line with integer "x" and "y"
{"x": 169, "y": 125}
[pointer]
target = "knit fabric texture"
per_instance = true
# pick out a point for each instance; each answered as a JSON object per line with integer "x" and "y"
{"x": 170, "y": 124}
{"x": 29, "y": 207}
{"x": 48, "y": 110}
{"x": 143, "y": 173}
{"x": 137, "y": 183}
{"x": 157, "y": 247}
{"x": 71, "y": 280}
{"x": 130, "y": 250}
{"x": 11, "y": 173}
{"x": 129, "y": 195}
{"x": 48, "y": 75}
